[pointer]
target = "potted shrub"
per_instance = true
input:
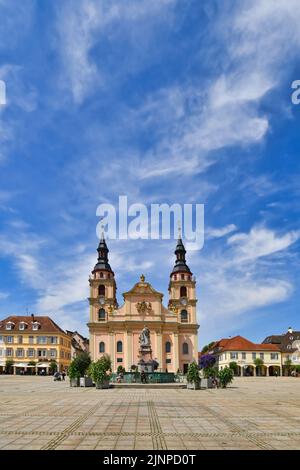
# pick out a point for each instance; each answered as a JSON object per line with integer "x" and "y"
{"x": 73, "y": 374}
{"x": 78, "y": 369}
{"x": 193, "y": 379}
{"x": 100, "y": 371}
{"x": 206, "y": 364}
{"x": 225, "y": 376}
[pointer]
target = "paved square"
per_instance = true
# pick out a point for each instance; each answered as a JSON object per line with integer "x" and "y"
{"x": 255, "y": 413}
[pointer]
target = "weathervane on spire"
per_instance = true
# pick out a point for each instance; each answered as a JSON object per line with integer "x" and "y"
{"x": 179, "y": 229}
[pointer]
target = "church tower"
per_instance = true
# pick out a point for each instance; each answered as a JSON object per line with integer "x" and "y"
{"x": 102, "y": 286}
{"x": 182, "y": 288}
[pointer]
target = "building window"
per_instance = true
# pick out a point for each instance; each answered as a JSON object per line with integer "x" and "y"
{"x": 42, "y": 340}
{"x": 234, "y": 355}
{"x": 20, "y": 352}
{"x": 101, "y": 314}
{"x": 101, "y": 275}
{"x": 20, "y": 339}
{"x": 0, "y": 352}
{"x": 30, "y": 352}
{"x": 183, "y": 291}
{"x": 261, "y": 355}
{"x": 119, "y": 346}
{"x": 9, "y": 339}
{"x": 182, "y": 277}
{"x": 52, "y": 352}
{"x": 9, "y": 352}
{"x": 9, "y": 326}
{"x": 119, "y": 359}
{"x": 168, "y": 361}
{"x": 42, "y": 352}
{"x": 184, "y": 316}
{"x": 101, "y": 290}
{"x": 175, "y": 277}
{"x": 35, "y": 326}
{"x": 22, "y": 326}
{"x": 185, "y": 348}
{"x": 274, "y": 356}
{"x": 101, "y": 347}
{"x": 1, "y": 339}
{"x": 253, "y": 356}
{"x": 243, "y": 355}
{"x": 52, "y": 339}
{"x": 31, "y": 339}
{"x": 168, "y": 347}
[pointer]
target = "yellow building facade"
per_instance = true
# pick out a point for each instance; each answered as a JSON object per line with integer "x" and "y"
{"x": 31, "y": 343}
{"x": 173, "y": 330}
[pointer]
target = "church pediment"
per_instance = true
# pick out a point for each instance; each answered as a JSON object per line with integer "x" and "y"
{"x": 142, "y": 288}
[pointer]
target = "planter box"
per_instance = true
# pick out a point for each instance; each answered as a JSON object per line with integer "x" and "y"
{"x": 74, "y": 382}
{"x": 86, "y": 382}
{"x": 193, "y": 386}
{"x": 207, "y": 383}
{"x": 102, "y": 385}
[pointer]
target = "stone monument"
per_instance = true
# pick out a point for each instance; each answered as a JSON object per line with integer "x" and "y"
{"x": 146, "y": 363}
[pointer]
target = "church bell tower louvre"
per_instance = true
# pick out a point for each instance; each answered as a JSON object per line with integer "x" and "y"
{"x": 116, "y": 330}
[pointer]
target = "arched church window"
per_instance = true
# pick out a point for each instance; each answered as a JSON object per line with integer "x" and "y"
{"x": 183, "y": 291}
{"x": 185, "y": 348}
{"x": 119, "y": 346}
{"x": 182, "y": 277}
{"x": 101, "y": 347}
{"x": 101, "y": 275}
{"x": 168, "y": 347}
{"x": 184, "y": 316}
{"x": 101, "y": 314}
{"x": 101, "y": 288}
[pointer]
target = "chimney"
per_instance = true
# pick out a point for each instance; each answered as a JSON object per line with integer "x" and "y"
{"x": 290, "y": 329}
{"x": 32, "y": 317}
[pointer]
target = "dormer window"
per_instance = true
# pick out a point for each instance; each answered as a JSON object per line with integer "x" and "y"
{"x": 35, "y": 326}
{"x": 22, "y": 326}
{"x": 9, "y": 325}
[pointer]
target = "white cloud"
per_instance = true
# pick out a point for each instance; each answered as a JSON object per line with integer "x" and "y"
{"x": 260, "y": 242}
{"x": 220, "y": 232}
{"x": 4, "y": 295}
{"x": 84, "y": 24}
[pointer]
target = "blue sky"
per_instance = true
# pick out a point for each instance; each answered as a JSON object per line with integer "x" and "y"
{"x": 165, "y": 102}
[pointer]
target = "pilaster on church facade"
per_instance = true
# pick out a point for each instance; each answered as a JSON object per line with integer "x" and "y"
{"x": 116, "y": 330}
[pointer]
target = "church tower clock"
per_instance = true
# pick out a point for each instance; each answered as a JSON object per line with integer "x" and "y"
{"x": 103, "y": 288}
{"x": 182, "y": 288}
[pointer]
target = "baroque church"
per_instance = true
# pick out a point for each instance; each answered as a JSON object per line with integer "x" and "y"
{"x": 117, "y": 330}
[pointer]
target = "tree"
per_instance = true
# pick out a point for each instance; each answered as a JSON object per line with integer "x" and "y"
{"x": 207, "y": 360}
{"x": 121, "y": 370}
{"x": 288, "y": 366}
{"x": 193, "y": 373}
{"x": 225, "y": 376}
{"x": 233, "y": 366}
{"x": 100, "y": 370}
{"x": 53, "y": 367}
{"x": 258, "y": 363}
{"x": 79, "y": 365}
{"x": 207, "y": 347}
{"x": 9, "y": 366}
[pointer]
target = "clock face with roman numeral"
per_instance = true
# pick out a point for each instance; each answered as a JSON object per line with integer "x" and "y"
{"x": 183, "y": 301}
{"x": 101, "y": 300}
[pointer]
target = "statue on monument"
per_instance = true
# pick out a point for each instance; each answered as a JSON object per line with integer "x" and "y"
{"x": 144, "y": 338}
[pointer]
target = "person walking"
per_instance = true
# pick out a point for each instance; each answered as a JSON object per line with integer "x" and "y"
{"x": 63, "y": 374}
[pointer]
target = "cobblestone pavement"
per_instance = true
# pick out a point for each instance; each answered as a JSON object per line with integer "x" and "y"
{"x": 254, "y": 413}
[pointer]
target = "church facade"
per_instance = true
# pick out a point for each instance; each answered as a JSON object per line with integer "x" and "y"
{"x": 117, "y": 330}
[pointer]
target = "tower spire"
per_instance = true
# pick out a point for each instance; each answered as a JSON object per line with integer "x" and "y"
{"x": 102, "y": 263}
{"x": 180, "y": 251}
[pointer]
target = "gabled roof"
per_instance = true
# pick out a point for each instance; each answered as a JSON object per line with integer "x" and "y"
{"x": 286, "y": 342}
{"x": 142, "y": 287}
{"x": 239, "y": 343}
{"x": 46, "y": 323}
